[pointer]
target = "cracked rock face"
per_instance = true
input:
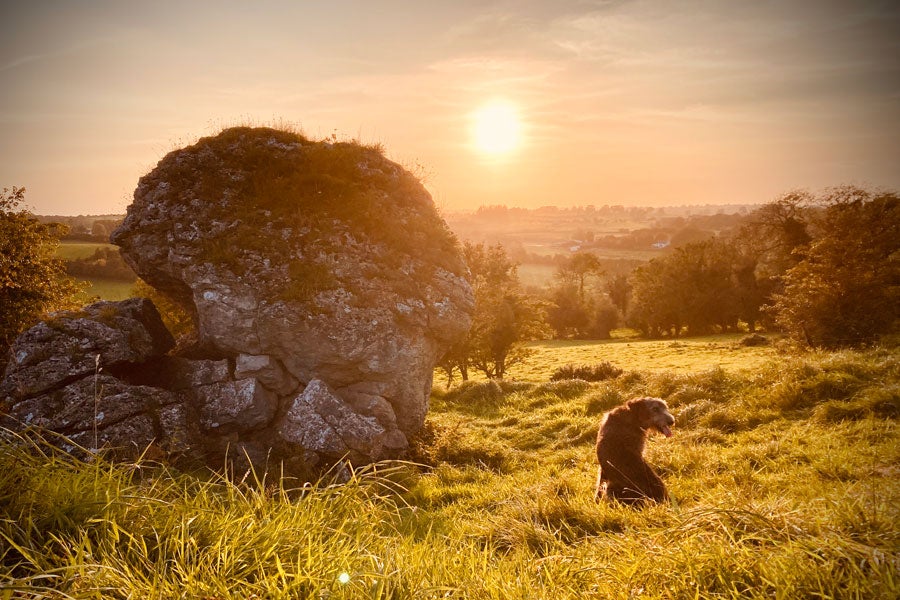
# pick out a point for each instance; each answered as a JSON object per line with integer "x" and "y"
{"x": 60, "y": 379}
{"x": 323, "y": 287}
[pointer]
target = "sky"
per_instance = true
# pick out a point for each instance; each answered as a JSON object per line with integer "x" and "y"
{"x": 644, "y": 102}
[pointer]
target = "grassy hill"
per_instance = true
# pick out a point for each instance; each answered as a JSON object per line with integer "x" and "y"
{"x": 784, "y": 478}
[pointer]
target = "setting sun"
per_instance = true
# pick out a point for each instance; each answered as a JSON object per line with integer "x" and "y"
{"x": 496, "y": 128}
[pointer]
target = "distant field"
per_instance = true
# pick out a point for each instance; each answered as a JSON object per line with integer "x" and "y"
{"x": 603, "y": 253}
{"x": 678, "y": 356}
{"x": 108, "y": 289}
{"x": 536, "y": 275}
{"x": 73, "y": 250}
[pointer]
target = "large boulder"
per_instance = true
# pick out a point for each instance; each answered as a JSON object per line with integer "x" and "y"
{"x": 323, "y": 287}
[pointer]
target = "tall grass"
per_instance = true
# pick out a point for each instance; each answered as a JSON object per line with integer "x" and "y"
{"x": 784, "y": 482}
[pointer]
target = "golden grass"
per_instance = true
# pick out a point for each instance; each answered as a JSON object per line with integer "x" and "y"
{"x": 679, "y": 356}
{"x": 769, "y": 501}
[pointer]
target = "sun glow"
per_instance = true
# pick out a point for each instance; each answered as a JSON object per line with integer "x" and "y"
{"x": 496, "y": 128}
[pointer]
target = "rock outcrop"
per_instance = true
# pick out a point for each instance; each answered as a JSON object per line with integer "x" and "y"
{"x": 323, "y": 287}
{"x": 60, "y": 378}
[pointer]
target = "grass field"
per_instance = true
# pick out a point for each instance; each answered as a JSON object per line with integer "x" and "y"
{"x": 784, "y": 478}
{"x": 73, "y": 250}
{"x": 536, "y": 275}
{"x": 678, "y": 356}
{"x": 107, "y": 289}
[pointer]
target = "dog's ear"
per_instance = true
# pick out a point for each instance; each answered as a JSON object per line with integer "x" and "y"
{"x": 634, "y": 402}
{"x": 638, "y": 406}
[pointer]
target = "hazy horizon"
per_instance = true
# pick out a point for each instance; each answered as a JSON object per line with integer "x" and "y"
{"x": 530, "y": 104}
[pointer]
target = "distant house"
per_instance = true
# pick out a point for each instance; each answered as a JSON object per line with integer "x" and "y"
{"x": 661, "y": 244}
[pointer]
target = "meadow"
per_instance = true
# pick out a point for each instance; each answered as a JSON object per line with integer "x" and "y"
{"x": 628, "y": 352}
{"x": 70, "y": 250}
{"x": 784, "y": 480}
{"x": 104, "y": 288}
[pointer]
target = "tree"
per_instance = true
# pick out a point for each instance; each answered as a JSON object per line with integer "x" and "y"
{"x": 695, "y": 287}
{"x": 777, "y": 230}
{"x": 505, "y": 317}
{"x": 567, "y": 315}
{"x": 32, "y": 279}
{"x": 577, "y": 309}
{"x": 618, "y": 288}
{"x": 578, "y": 268}
{"x": 845, "y": 289}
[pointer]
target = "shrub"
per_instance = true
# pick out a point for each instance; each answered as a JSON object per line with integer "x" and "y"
{"x": 595, "y": 372}
{"x": 754, "y": 339}
{"x": 32, "y": 279}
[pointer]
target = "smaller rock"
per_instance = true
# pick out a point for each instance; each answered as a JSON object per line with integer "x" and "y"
{"x": 102, "y": 401}
{"x": 75, "y": 344}
{"x": 126, "y": 440}
{"x": 177, "y": 434}
{"x": 235, "y": 405}
{"x": 266, "y": 370}
{"x": 185, "y": 374}
{"x": 303, "y": 426}
{"x": 320, "y": 421}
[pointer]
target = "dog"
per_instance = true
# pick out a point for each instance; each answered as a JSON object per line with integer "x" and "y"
{"x": 623, "y": 475}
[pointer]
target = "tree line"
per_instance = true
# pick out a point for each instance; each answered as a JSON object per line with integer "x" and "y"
{"x": 823, "y": 269}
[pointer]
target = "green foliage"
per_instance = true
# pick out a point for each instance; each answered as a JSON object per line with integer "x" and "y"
{"x": 580, "y": 310}
{"x": 32, "y": 278}
{"x": 696, "y": 288}
{"x": 505, "y": 317}
{"x": 105, "y": 263}
{"x": 845, "y": 291}
{"x": 801, "y": 503}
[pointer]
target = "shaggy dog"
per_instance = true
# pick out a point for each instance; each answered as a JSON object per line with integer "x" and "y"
{"x": 623, "y": 474}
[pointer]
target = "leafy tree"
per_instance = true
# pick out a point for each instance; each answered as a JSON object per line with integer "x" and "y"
{"x": 845, "y": 289}
{"x": 618, "y": 288}
{"x": 577, "y": 309}
{"x": 567, "y": 315}
{"x": 603, "y": 318}
{"x": 656, "y": 307}
{"x": 32, "y": 279}
{"x": 505, "y": 317}
{"x": 578, "y": 269}
{"x": 776, "y": 231}
{"x": 695, "y": 287}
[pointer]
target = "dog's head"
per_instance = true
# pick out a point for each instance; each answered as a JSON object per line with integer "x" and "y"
{"x": 652, "y": 413}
